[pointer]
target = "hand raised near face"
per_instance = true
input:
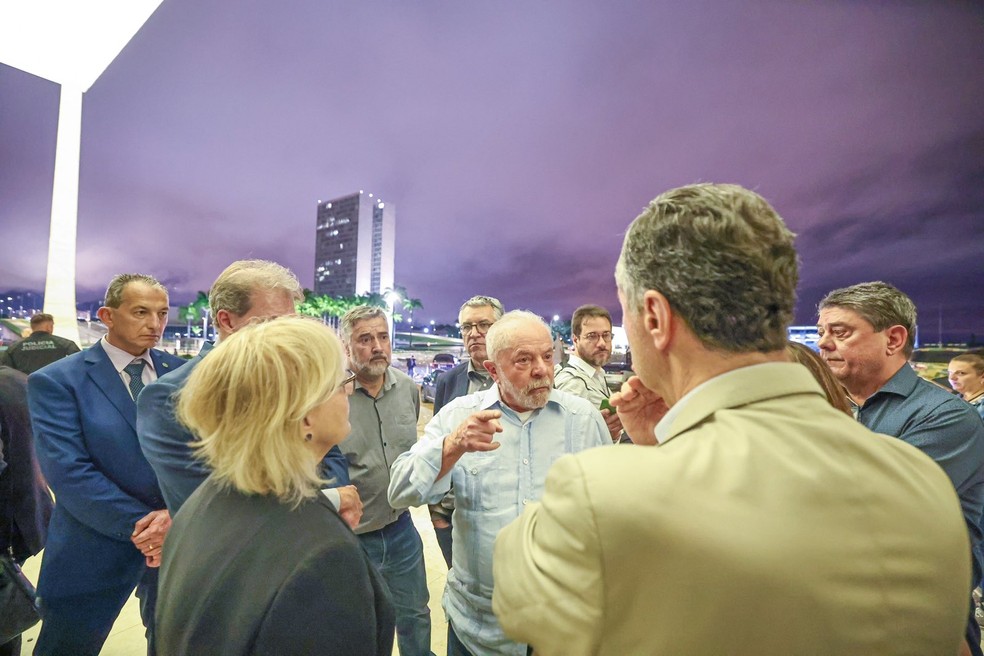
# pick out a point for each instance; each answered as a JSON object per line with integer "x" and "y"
{"x": 639, "y": 409}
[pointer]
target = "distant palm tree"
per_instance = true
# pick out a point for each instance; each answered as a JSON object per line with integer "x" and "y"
{"x": 194, "y": 311}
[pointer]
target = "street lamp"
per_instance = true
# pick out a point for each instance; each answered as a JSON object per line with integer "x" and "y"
{"x": 392, "y": 298}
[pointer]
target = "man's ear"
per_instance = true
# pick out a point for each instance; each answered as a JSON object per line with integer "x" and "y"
{"x": 897, "y": 337}
{"x": 223, "y": 321}
{"x": 490, "y": 367}
{"x": 105, "y": 315}
{"x": 657, "y": 315}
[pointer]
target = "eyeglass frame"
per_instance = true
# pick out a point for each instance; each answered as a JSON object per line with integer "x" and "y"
{"x": 467, "y": 327}
{"x": 348, "y": 380}
{"x": 594, "y": 337}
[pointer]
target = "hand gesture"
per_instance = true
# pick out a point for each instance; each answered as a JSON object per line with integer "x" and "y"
{"x": 473, "y": 434}
{"x": 639, "y": 409}
{"x": 476, "y": 432}
{"x": 350, "y": 505}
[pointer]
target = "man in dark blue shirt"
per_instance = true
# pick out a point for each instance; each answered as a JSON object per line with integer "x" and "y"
{"x": 866, "y": 337}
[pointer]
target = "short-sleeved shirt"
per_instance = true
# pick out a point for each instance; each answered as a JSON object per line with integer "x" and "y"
{"x": 37, "y": 350}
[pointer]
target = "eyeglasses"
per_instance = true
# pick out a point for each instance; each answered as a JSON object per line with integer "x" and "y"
{"x": 348, "y": 384}
{"x": 594, "y": 337}
{"x": 483, "y": 327}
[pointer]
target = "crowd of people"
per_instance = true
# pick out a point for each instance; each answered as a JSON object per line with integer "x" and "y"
{"x": 739, "y": 494}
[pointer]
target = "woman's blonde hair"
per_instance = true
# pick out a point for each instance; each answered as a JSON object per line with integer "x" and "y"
{"x": 247, "y": 399}
{"x": 807, "y": 357}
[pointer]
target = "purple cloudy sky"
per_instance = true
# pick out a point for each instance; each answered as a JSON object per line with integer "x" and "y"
{"x": 517, "y": 140}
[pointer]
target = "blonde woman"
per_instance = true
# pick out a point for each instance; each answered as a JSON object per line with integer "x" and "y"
{"x": 257, "y": 560}
{"x": 966, "y": 375}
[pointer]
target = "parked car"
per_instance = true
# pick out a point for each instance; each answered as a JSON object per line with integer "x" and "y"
{"x": 443, "y": 362}
{"x": 616, "y": 373}
{"x": 428, "y": 386}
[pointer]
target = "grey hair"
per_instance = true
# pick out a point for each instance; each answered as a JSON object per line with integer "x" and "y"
{"x": 359, "y": 313}
{"x": 880, "y": 304}
{"x": 233, "y": 290}
{"x": 722, "y": 257}
{"x": 483, "y": 301}
{"x": 114, "y": 293}
{"x": 500, "y": 334}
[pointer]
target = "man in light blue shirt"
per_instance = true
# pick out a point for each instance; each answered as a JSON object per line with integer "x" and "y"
{"x": 495, "y": 446}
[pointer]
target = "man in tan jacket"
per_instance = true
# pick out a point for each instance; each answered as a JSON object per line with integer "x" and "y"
{"x": 759, "y": 520}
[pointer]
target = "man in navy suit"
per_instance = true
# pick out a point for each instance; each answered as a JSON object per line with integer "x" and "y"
{"x": 109, "y": 519}
{"x": 246, "y": 290}
{"x": 475, "y": 317}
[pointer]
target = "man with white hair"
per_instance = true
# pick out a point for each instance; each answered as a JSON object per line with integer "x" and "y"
{"x": 495, "y": 446}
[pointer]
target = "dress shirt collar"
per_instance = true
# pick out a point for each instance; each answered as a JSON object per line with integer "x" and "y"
{"x": 732, "y": 389}
{"x": 578, "y": 363}
{"x": 121, "y": 358}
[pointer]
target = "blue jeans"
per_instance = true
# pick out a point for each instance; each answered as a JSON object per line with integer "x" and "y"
{"x": 398, "y": 554}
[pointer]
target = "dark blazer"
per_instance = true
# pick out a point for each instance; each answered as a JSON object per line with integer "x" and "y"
{"x": 24, "y": 497}
{"x": 164, "y": 440}
{"x": 246, "y": 574}
{"x": 450, "y": 385}
{"x": 85, "y": 434}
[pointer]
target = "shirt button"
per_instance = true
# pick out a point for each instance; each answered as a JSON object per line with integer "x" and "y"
{"x": 525, "y": 501}
{"x": 526, "y": 461}
{"x": 474, "y": 471}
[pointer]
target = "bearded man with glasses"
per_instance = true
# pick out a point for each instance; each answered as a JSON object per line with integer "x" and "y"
{"x": 591, "y": 328}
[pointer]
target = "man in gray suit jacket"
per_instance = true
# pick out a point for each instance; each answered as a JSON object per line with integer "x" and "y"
{"x": 475, "y": 317}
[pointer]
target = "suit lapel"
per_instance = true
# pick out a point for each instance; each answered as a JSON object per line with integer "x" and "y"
{"x": 102, "y": 372}
{"x": 161, "y": 366}
{"x": 462, "y": 383}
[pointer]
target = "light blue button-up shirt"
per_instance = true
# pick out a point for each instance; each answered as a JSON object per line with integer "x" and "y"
{"x": 491, "y": 489}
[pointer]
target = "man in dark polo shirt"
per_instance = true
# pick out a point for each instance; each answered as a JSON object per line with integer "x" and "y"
{"x": 40, "y": 348}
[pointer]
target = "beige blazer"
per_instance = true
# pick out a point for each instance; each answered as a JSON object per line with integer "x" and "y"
{"x": 768, "y": 523}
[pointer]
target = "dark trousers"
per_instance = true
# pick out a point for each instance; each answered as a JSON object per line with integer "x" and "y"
{"x": 455, "y": 648}
{"x": 973, "y": 633}
{"x": 11, "y": 648}
{"x": 443, "y": 536}
{"x": 78, "y": 625}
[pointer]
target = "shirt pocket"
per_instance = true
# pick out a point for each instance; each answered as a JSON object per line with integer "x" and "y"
{"x": 481, "y": 485}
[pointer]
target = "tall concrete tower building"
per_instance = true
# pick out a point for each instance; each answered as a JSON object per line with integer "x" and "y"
{"x": 354, "y": 245}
